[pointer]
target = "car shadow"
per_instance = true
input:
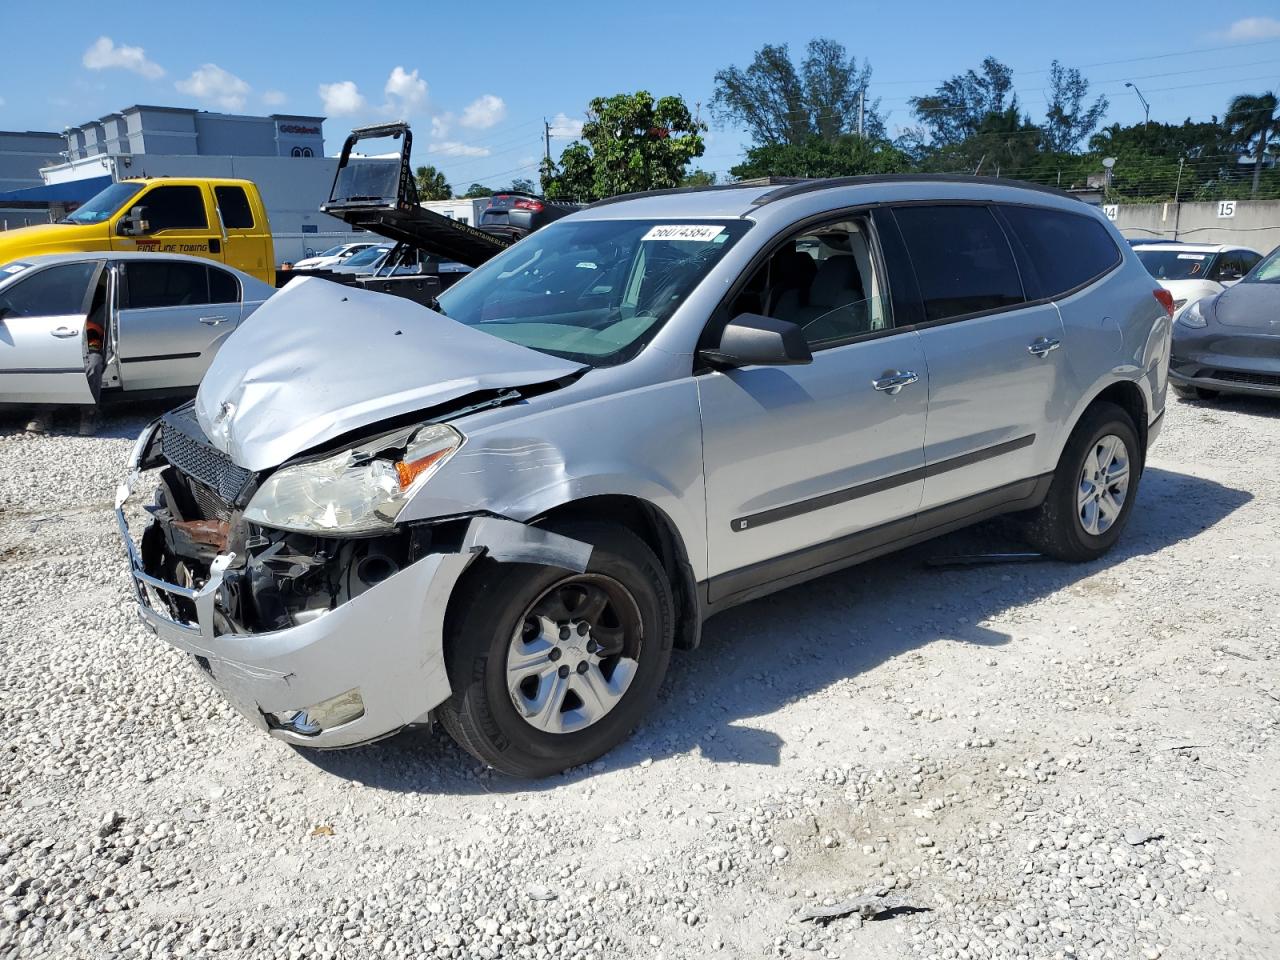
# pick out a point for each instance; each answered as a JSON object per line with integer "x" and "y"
{"x": 1239, "y": 403}
{"x": 121, "y": 419}
{"x": 759, "y": 657}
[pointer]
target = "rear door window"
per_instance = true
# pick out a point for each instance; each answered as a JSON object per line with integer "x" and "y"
{"x": 962, "y": 258}
{"x": 1065, "y": 251}
{"x": 57, "y": 291}
{"x": 175, "y": 208}
{"x": 164, "y": 283}
{"x": 233, "y": 202}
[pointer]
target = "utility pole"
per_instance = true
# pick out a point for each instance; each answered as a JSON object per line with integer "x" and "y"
{"x": 546, "y": 137}
{"x": 862, "y": 111}
{"x": 1177, "y": 207}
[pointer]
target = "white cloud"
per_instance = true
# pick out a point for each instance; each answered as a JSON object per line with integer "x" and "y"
{"x": 483, "y": 112}
{"x": 406, "y": 92}
{"x": 341, "y": 98}
{"x": 215, "y": 85}
{"x": 452, "y": 148}
{"x": 441, "y": 125}
{"x": 564, "y": 126}
{"x": 103, "y": 54}
{"x": 273, "y": 98}
{"x": 1254, "y": 28}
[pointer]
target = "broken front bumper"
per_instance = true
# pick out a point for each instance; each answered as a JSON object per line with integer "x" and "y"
{"x": 360, "y": 671}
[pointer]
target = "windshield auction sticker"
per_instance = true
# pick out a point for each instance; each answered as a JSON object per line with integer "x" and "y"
{"x": 684, "y": 231}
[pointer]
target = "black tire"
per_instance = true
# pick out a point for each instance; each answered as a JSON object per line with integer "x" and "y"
{"x": 1194, "y": 393}
{"x": 494, "y": 599}
{"x": 1056, "y": 527}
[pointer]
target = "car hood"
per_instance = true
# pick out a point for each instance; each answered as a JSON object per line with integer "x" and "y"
{"x": 22, "y": 242}
{"x": 1255, "y": 305}
{"x": 320, "y": 359}
{"x": 1190, "y": 289}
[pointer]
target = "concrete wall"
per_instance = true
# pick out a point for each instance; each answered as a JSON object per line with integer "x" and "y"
{"x": 1253, "y": 223}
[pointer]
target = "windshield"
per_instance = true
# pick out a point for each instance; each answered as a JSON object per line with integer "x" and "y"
{"x": 594, "y": 291}
{"x": 366, "y": 256}
{"x": 332, "y": 251}
{"x": 1267, "y": 270}
{"x": 102, "y": 205}
{"x": 1177, "y": 265}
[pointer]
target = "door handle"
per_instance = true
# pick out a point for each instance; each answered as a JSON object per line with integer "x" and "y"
{"x": 63, "y": 333}
{"x": 213, "y": 321}
{"x": 894, "y": 381}
{"x": 1043, "y": 346}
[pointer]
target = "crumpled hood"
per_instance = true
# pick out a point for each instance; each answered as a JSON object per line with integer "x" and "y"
{"x": 1255, "y": 305}
{"x": 319, "y": 359}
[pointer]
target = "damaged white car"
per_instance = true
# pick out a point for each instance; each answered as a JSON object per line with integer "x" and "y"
{"x": 506, "y": 512}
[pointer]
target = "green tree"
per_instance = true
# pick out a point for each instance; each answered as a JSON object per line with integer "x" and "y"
{"x": 630, "y": 142}
{"x": 780, "y": 103}
{"x": 1253, "y": 120}
{"x": 846, "y": 156}
{"x": 477, "y": 191}
{"x": 699, "y": 178}
{"x": 521, "y": 185}
{"x": 431, "y": 184}
{"x": 958, "y": 107}
{"x": 1068, "y": 121}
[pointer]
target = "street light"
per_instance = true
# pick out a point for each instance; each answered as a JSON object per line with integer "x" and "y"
{"x": 1146, "y": 107}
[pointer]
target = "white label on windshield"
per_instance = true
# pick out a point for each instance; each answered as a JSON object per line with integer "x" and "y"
{"x": 684, "y": 231}
{"x": 1191, "y": 256}
{"x": 14, "y": 268}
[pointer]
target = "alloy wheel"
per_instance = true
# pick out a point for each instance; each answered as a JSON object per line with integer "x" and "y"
{"x": 1104, "y": 484}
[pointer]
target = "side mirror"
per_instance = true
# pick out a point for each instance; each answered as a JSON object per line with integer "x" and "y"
{"x": 754, "y": 340}
{"x": 135, "y": 224}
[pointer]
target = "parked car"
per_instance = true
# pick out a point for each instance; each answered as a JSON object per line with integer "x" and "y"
{"x": 1230, "y": 342}
{"x": 1190, "y": 271}
{"x": 165, "y": 317}
{"x": 333, "y": 257}
{"x": 507, "y": 513}
{"x": 373, "y": 261}
{"x": 516, "y": 215}
{"x": 220, "y": 219}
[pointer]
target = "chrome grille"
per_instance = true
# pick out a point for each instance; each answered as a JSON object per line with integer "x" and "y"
{"x": 186, "y": 448}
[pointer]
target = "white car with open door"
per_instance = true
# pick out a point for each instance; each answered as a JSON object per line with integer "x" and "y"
{"x": 164, "y": 318}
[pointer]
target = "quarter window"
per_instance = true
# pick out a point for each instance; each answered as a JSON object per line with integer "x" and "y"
{"x": 223, "y": 286}
{"x": 58, "y": 291}
{"x": 175, "y": 208}
{"x": 234, "y": 204}
{"x": 1066, "y": 250}
{"x": 963, "y": 262}
{"x": 165, "y": 283}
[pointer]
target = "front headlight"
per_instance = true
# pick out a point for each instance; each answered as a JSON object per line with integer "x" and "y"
{"x": 1194, "y": 316}
{"x": 360, "y": 490}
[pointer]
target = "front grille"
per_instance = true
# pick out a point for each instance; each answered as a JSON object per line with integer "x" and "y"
{"x": 189, "y": 451}
{"x": 1253, "y": 379}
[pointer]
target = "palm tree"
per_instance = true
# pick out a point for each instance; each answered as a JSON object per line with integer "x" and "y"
{"x": 1254, "y": 118}
{"x": 432, "y": 185}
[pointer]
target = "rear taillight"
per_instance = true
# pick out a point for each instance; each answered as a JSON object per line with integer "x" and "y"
{"x": 534, "y": 205}
{"x": 1165, "y": 298}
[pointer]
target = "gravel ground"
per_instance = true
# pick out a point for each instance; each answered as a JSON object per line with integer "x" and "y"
{"x": 1036, "y": 760}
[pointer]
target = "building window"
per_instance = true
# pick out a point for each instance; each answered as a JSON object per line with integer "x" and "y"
{"x": 306, "y": 152}
{"x": 295, "y": 152}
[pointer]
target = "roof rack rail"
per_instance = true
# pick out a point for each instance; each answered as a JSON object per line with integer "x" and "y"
{"x": 672, "y": 191}
{"x": 796, "y": 188}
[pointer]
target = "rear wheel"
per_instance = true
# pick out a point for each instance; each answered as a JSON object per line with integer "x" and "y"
{"x": 550, "y": 669}
{"x": 1093, "y": 488}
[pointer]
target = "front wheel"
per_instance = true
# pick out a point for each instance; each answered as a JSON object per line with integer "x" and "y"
{"x": 1093, "y": 488}
{"x": 549, "y": 668}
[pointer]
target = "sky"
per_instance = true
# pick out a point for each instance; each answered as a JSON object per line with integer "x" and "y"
{"x": 477, "y": 81}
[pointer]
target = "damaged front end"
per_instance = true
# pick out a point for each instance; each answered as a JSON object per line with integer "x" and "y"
{"x": 322, "y": 638}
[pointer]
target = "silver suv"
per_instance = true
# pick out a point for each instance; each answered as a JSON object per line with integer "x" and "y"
{"x": 507, "y": 512}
